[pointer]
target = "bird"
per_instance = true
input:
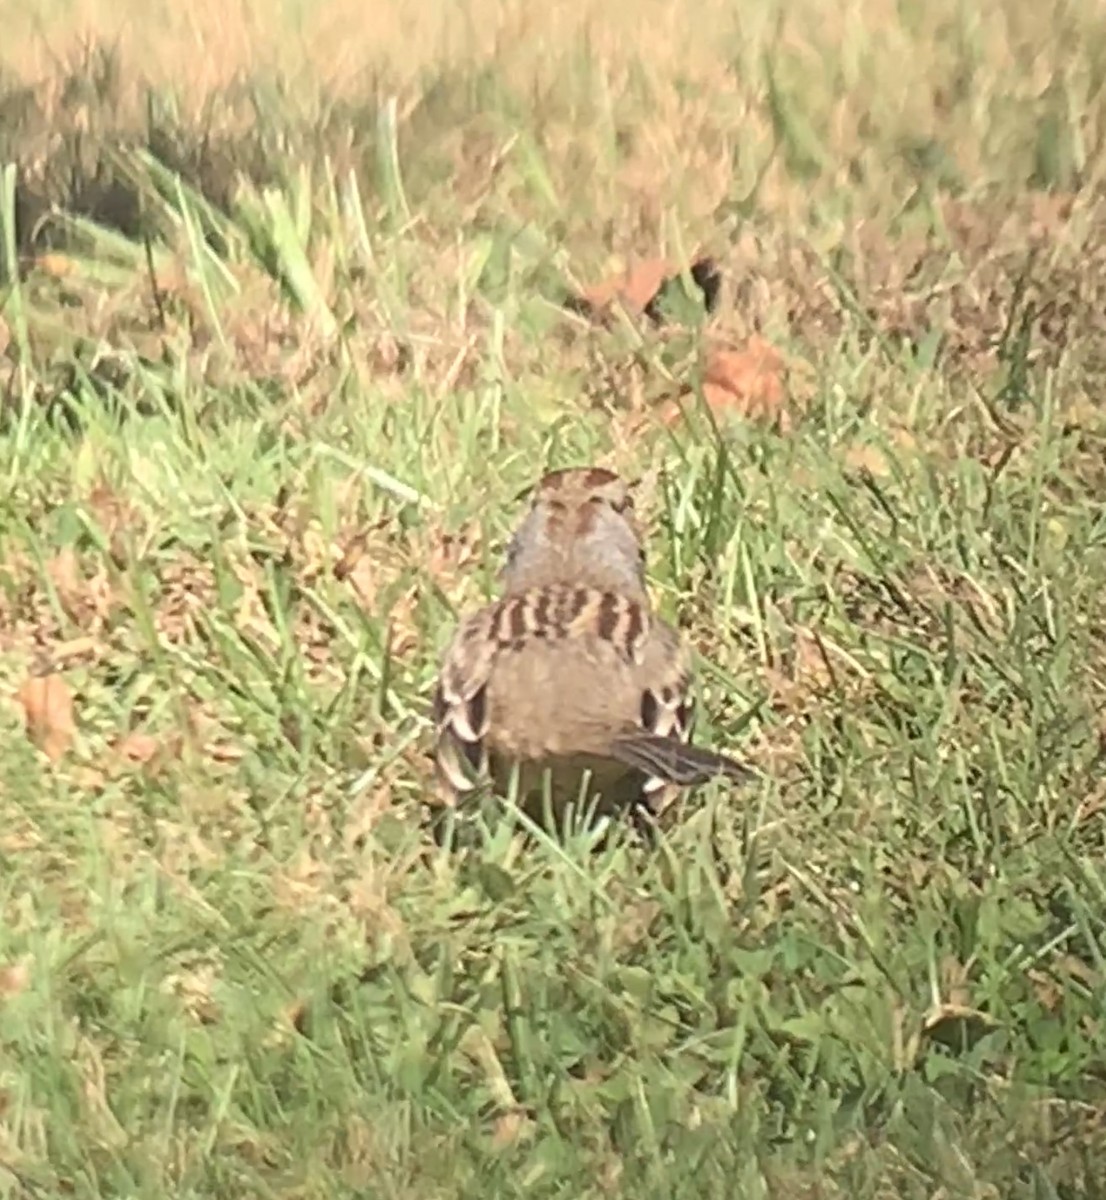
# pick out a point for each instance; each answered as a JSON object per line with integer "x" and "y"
{"x": 569, "y": 677}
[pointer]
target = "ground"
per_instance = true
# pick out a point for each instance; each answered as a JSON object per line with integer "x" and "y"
{"x": 283, "y": 337}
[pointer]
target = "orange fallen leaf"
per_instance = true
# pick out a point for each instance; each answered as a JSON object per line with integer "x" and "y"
{"x": 868, "y": 458}
{"x": 48, "y": 708}
{"x": 138, "y": 747}
{"x": 641, "y": 287}
{"x": 60, "y": 266}
{"x": 351, "y": 556}
{"x": 14, "y": 979}
{"x": 135, "y": 750}
{"x": 748, "y": 382}
{"x": 636, "y": 288}
{"x": 511, "y": 1128}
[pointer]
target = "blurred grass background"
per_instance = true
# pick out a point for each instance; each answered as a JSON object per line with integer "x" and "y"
{"x": 281, "y": 338}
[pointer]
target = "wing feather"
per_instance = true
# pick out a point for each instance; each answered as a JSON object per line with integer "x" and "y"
{"x": 460, "y": 706}
{"x": 658, "y": 745}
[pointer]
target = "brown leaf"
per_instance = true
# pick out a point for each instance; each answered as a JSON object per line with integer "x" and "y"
{"x": 511, "y": 1128}
{"x": 638, "y": 287}
{"x": 59, "y": 266}
{"x": 866, "y": 457}
{"x": 351, "y": 556}
{"x": 14, "y": 979}
{"x": 641, "y": 287}
{"x": 389, "y": 356}
{"x": 748, "y": 382}
{"x": 48, "y": 708}
{"x": 144, "y": 750}
{"x": 138, "y": 747}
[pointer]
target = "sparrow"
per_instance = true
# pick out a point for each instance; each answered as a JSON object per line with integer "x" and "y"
{"x": 569, "y": 677}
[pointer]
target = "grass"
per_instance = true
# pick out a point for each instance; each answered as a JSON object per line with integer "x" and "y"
{"x": 279, "y": 350}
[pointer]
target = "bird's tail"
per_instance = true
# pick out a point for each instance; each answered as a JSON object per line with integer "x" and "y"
{"x": 675, "y": 761}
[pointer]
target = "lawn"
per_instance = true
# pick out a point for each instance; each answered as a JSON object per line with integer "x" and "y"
{"x": 283, "y": 336}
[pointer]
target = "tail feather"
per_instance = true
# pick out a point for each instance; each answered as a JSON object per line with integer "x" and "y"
{"x": 675, "y": 761}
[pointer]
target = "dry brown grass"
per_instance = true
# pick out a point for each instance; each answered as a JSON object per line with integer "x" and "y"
{"x": 868, "y": 71}
{"x": 923, "y": 150}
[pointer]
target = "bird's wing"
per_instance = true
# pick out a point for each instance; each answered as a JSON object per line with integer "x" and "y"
{"x": 667, "y": 702}
{"x": 661, "y": 745}
{"x": 655, "y": 740}
{"x": 669, "y": 760}
{"x": 460, "y": 704}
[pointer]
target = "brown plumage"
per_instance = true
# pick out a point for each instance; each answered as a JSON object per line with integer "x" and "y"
{"x": 570, "y": 672}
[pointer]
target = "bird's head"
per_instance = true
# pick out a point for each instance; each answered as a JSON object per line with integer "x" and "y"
{"x": 581, "y": 529}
